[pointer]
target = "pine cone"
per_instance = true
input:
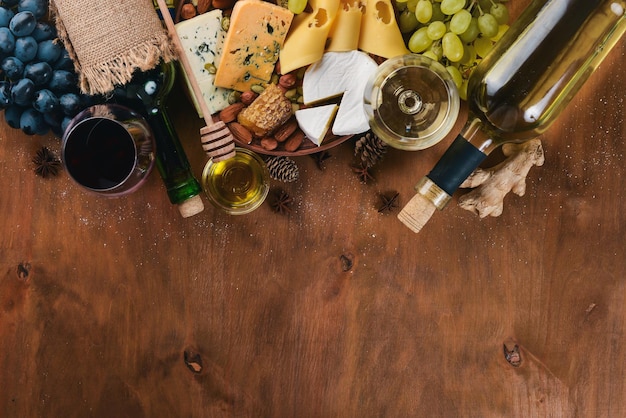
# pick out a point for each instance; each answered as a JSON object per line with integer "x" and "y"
{"x": 282, "y": 169}
{"x": 370, "y": 148}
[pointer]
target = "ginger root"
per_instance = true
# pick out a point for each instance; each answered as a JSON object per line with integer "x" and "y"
{"x": 493, "y": 184}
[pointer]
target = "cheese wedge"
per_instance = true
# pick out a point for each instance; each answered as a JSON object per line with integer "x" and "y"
{"x": 344, "y": 35}
{"x": 380, "y": 34}
{"x": 315, "y": 121}
{"x": 202, "y": 39}
{"x": 336, "y": 74}
{"x": 252, "y": 45}
{"x": 306, "y": 40}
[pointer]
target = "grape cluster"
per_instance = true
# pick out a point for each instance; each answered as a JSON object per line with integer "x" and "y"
{"x": 38, "y": 85}
{"x": 457, "y": 33}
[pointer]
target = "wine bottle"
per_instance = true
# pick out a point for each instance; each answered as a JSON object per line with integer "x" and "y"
{"x": 520, "y": 88}
{"x": 146, "y": 93}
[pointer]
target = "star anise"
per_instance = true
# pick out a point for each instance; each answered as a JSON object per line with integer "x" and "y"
{"x": 281, "y": 202}
{"x": 320, "y": 159}
{"x": 363, "y": 172}
{"x": 388, "y": 202}
{"x": 46, "y": 163}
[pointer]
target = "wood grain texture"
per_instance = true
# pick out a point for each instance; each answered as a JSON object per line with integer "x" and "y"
{"x": 333, "y": 311}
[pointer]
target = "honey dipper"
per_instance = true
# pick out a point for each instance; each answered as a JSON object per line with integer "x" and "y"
{"x": 217, "y": 140}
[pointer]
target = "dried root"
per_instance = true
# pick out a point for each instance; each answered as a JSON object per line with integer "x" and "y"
{"x": 493, "y": 184}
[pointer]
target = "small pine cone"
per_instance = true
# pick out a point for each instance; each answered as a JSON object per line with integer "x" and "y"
{"x": 282, "y": 169}
{"x": 370, "y": 148}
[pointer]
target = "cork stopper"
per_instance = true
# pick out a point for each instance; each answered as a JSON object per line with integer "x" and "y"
{"x": 191, "y": 206}
{"x": 417, "y": 212}
{"x": 421, "y": 207}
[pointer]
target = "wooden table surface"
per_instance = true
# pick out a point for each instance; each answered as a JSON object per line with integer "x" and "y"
{"x": 121, "y": 308}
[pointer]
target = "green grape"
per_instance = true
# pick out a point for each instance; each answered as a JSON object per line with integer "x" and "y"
{"x": 430, "y": 54}
{"x": 463, "y": 90}
{"x": 460, "y": 21}
{"x": 488, "y": 25}
{"x": 500, "y": 12}
{"x": 482, "y": 46}
{"x": 456, "y": 75}
{"x": 407, "y": 22}
{"x": 452, "y": 47}
{"x": 469, "y": 55}
{"x": 471, "y": 33}
{"x": 424, "y": 11}
{"x": 437, "y": 13}
{"x": 485, "y": 4}
{"x": 436, "y": 30}
{"x": 296, "y": 6}
{"x": 436, "y": 49}
{"x": 400, "y": 6}
{"x": 450, "y": 7}
{"x": 419, "y": 41}
{"x": 501, "y": 31}
{"x": 411, "y": 4}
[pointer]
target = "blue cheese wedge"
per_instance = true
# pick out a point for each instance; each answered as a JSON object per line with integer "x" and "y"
{"x": 202, "y": 39}
{"x": 315, "y": 121}
{"x": 341, "y": 74}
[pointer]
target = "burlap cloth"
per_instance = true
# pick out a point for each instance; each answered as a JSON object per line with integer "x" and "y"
{"x": 109, "y": 40}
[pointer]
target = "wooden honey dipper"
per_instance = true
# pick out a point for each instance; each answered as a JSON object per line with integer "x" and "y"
{"x": 217, "y": 140}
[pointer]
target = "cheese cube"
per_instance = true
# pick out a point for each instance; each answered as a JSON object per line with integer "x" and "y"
{"x": 252, "y": 46}
{"x": 202, "y": 39}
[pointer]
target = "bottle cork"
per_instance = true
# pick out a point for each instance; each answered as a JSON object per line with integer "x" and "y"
{"x": 191, "y": 206}
{"x": 417, "y": 212}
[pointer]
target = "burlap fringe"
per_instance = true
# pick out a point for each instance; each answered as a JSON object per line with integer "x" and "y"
{"x": 103, "y": 78}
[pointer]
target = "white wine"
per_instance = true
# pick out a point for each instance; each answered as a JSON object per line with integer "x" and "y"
{"x": 521, "y": 87}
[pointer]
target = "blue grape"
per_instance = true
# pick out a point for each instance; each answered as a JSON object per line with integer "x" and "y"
{"x": 54, "y": 119}
{"x": 39, "y": 72}
{"x": 64, "y": 62}
{"x": 33, "y": 123}
{"x": 23, "y": 23}
{"x": 22, "y": 92}
{"x": 70, "y": 103}
{"x": 10, "y": 3}
{"x": 5, "y": 94}
{"x": 5, "y": 17}
{"x": 49, "y": 50}
{"x": 44, "y": 31}
{"x": 13, "y": 68}
{"x": 25, "y": 48}
{"x": 38, "y": 7}
{"x": 65, "y": 122}
{"x": 45, "y": 101}
{"x": 7, "y": 41}
{"x": 62, "y": 80}
{"x": 12, "y": 116}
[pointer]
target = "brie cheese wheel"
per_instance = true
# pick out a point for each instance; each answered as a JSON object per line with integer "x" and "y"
{"x": 315, "y": 121}
{"x": 337, "y": 74}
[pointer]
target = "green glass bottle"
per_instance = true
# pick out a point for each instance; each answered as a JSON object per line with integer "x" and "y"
{"x": 147, "y": 93}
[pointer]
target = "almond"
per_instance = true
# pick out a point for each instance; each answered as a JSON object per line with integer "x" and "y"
{"x": 188, "y": 11}
{"x": 203, "y": 6}
{"x": 294, "y": 141}
{"x": 240, "y": 132}
{"x": 287, "y": 81}
{"x": 229, "y": 113}
{"x": 247, "y": 97}
{"x": 285, "y": 131}
{"x": 269, "y": 143}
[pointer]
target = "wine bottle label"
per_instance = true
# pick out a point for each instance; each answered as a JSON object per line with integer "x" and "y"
{"x": 456, "y": 164}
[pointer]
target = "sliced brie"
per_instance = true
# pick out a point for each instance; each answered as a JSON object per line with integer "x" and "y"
{"x": 341, "y": 73}
{"x": 315, "y": 121}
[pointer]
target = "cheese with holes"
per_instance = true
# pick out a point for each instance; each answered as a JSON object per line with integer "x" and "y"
{"x": 252, "y": 45}
{"x": 202, "y": 39}
{"x": 306, "y": 40}
{"x": 341, "y": 74}
{"x": 344, "y": 35}
{"x": 315, "y": 121}
{"x": 380, "y": 34}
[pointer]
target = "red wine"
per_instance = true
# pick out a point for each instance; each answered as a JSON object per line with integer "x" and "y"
{"x": 100, "y": 153}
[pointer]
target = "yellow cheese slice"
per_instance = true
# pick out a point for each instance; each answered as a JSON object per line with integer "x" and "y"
{"x": 315, "y": 121}
{"x": 380, "y": 34}
{"x": 344, "y": 35}
{"x": 306, "y": 40}
{"x": 253, "y": 43}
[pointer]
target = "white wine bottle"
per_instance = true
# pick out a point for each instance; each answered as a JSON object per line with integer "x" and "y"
{"x": 520, "y": 88}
